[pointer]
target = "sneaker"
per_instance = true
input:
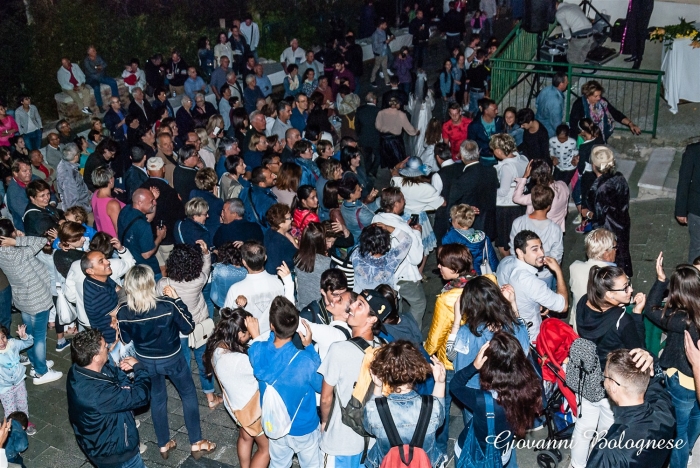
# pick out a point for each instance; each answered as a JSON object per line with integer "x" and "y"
{"x": 390, "y": 72}
{"x": 62, "y": 346}
{"x": 578, "y": 219}
{"x": 138, "y": 424}
{"x": 50, "y": 376}
{"x": 142, "y": 447}
{"x": 49, "y": 365}
{"x": 581, "y": 229}
{"x": 24, "y": 360}
{"x": 374, "y": 84}
{"x": 381, "y": 74}
{"x": 31, "y": 429}
{"x": 86, "y": 111}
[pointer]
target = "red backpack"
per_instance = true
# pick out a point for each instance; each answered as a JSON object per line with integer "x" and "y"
{"x": 412, "y": 454}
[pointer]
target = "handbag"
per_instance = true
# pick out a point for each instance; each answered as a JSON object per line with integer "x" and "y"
{"x": 250, "y": 416}
{"x": 472, "y": 455}
{"x": 201, "y": 333}
{"x": 65, "y": 310}
{"x": 485, "y": 263}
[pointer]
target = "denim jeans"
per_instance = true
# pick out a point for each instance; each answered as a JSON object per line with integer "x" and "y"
{"x": 306, "y": 447}
{"x": 179, "y": 374}
{"x": 206, "y": 291}
{"x": 36, "y": 326}
{"x": 443, "y": 432}
{"x": 95, "y": 85}
{"x": 474, "y": 101}
{"x": 207, "y": 382}
{"x": 687, "y": 420}
{"x": 136, "y": 462}
{"x": 576, "y": 192}
{"x": 6, "y": 307}
{"x": 33, "y": 139}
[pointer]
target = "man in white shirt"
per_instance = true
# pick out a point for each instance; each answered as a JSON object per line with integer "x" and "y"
{"x": 577, "y": 28}
{"x": 72, "y": 81}
{"x": 407, "y": 274}
{"x": 292, "y": 54}
{"x": 312, "y": 63}
{"x": 259, "y": 288}
{"x": 531, "y": 293}
{"x": 601, "y": 250}
{"x": 251, "y": 32}
{"x": 282, "y": 123}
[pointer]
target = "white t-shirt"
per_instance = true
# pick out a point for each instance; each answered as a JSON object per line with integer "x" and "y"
{"x": 565, "y": 152}
{"x": 235, "y": 375}
{"x": 290, "y": 56}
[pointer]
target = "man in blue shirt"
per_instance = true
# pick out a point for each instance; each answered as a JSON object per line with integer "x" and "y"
{"x": 194, "y": 83}
{"x": 135, "y": 231}
{"x": 299, "y": 113}
{"x": 293, "y": 374}
{"x": 550, "y": 103}
{"x": 262, "y": 80}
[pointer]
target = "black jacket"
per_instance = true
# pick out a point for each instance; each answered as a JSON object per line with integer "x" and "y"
{"x": 156, "y": 332}
{"x": 155, "y": 75}
{"x": 239, "y": 230}
{"x": 179, "y": 72}
{"x": 477, "y": 186}
{"x": 448, "y": 175}
{"x": 134, "y": 177}
{"x": 183, "y": 181}
{"x": 419, "y": 35}
{"x": 536, "y": 146}
{"x": 688, "y": 190}
{"x": 145, "y": 115}
{"x": 652, "y": 421}
{"x": 111, "y": 121}
{"x": 169, "y": 208}
{"x": 353, "y": 57}
{"x": 39, "y": 220}
{"x": 452, "y": 22}
{"x": 100, "y": 409}
{"x": 365, "y": 120}
{"x": 93, "y": 162}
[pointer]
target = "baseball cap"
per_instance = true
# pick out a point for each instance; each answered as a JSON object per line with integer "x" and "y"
{"x": 377, "y": 303}
{"x": 154, "y": 164}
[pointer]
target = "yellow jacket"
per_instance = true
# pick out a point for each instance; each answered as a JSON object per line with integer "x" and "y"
{"x": 443, "y": 318}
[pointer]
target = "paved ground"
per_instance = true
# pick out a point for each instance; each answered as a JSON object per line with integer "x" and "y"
{"x": 653, "y": 229}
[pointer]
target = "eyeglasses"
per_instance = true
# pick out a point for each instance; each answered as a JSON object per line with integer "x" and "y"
{"x": 287, "y": 218}
{"x": 614, "y": 247}
{"x": 602, "y": 382}
{"x": 625, "y": 288}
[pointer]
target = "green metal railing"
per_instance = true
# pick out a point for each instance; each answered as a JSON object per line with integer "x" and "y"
{"x": 516, "y": 79}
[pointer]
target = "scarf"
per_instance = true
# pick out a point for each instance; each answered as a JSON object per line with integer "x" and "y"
{"x": 458, "y": 283}
{"x": 600, "y": 115}
{"x": 293, "y": 82}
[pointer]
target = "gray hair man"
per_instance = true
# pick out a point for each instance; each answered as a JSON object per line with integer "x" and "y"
{"x": 69, "y": 182}
{"x": 234, "y": 228}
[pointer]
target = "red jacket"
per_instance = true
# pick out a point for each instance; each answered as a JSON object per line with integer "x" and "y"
{"x": 455, "y": 135}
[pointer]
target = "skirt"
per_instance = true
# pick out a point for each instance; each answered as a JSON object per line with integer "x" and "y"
{"x": 427, "y": 234}
{"x": 505, "y": 215}
{"x": 392, "y": 150}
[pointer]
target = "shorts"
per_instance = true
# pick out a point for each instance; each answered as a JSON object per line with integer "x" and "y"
{"x": 163, "y": 253}
{"x": 505, "y": 215}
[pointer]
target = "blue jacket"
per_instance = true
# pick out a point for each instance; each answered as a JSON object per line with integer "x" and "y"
{"x": 11, "y": 371}
{"x": 309, "y": 171}
{"x": 216, "y": 205}
{"x": 138, "y": 238}
{"x": 297, "y": 383}
{"x": 100, "y": 409}
{"x": 298, "y": 120}
{"x": 222, "y": 277}
{"x": 189, "y": 231}
{"x": 357, "y": 216}
{"x": 550, "y": 109}
{"x": 279, "y": 249}
{"x": 17, "y": 202}
{"x": 475, "y": 241}
{"x": 156, "y": 332}
{"x": 447, "y": 84}
{"x": 257, "y": 200}
{"x": 17, "y": 442}
{"x": 476, "y": 132}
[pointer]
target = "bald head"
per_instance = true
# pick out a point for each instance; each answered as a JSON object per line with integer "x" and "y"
{"x": 144, "y": 201}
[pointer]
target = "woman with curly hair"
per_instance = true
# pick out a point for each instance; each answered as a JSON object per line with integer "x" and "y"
{"x": 374, "y": 261}
{"x": 509, "y": 380}
{"x": 227, "y": 271}
{"x": 188, "y": 271}
{"x": 400, "y": 366}
{"x": 227, "y": 357}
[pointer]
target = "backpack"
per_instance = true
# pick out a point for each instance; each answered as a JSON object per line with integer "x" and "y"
{"x": 403, "y": 455}
{"x": 473, "y": 456}
{"x": 275, "y": 417}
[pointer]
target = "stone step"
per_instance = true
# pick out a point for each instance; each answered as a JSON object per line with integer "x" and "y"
{"x": 652, "y": 183}
{"x": 625, "y": 166}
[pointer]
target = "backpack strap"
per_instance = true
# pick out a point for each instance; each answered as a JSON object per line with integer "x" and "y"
{"x": 357, "y": 217}
{"x": 285, "y": 368}
{"x": 490, "y": 415}
{"x": 126, "y": 229}
{"x": 252, "y": 205}
{"x": 345, "y": 332}
{"x": 388, "y": 422}
{"x": 360, "y": 343}
{"x": 426, "y": 410}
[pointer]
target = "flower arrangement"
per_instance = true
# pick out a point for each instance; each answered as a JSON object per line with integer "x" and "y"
{"x": 683, "y": 30}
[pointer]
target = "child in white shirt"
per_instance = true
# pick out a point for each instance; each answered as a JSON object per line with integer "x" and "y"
{"x": 564, "y": 154}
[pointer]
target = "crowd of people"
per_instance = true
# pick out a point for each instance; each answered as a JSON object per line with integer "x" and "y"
{"x": 257, "y": 232}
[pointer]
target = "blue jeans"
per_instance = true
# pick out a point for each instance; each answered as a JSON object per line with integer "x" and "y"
{"x": 206, "y": 291}
{"x": 474, "y": 101}
{"x": 33, "y": 140}
{"x": 576, "y": 192}
{"x": 6, "y": 307}
{"x": 179, "y": 374}
{"x": 36, "y": 326}
{"x": 207, "y": 382}
{"x": 687, "y": 420}
{"x": 136, "y": 462}
{"x": 442, "y": 433}
{"x": 95, "y": 84}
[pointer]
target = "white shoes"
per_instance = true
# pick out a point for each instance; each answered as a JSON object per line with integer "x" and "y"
{"x": 389, "y": 72}
{"x": 86, "y": 111}
{"x": 50, "y": 376}
{"x": 49, "y": 365}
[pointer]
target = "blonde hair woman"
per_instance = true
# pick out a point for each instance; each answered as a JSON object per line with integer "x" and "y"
{"x": 154, "y": 324}
{"x": 206, "y": 152}
{"x": 607, "y": 203}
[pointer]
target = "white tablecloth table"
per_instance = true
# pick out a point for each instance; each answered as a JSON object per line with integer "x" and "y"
{"x": 681, "y": 65}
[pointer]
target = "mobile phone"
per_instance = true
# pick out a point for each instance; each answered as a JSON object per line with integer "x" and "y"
{"x": 414, "y": 220}
{"x": 161, "y": 225}
{"x": 216, "y": 130}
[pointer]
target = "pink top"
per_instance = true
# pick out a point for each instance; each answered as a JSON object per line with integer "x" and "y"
{"x": 8, "y": 124}
{"x": 102, "y": 220}
{"x": 560, "y": 205}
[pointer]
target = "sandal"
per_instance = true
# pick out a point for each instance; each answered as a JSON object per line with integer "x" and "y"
{"x": 169, "y": 447}
{"x": 204, "y": 447}
{"x": 216, "y": 402}
{"x": 51, "y": 325}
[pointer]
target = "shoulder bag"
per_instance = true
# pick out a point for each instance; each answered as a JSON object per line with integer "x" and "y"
{"x": 250, "y": 416}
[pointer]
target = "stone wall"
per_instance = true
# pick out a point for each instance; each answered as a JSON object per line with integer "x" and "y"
{"x": 69, "y": 110}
